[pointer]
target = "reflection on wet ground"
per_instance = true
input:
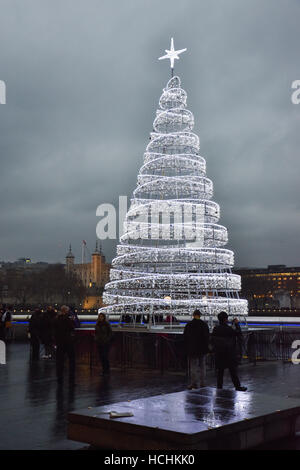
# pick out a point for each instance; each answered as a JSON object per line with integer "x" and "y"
{"x": 34, "y": 410}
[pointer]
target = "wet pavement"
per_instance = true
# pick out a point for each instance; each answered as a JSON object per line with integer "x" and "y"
{"x": 34, "y": 410}
{"x": 200, "y": 419}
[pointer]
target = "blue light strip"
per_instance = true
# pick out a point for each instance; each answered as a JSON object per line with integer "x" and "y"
{"x": 181, "y": 324}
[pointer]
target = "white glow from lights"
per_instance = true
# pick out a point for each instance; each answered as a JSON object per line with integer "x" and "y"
{"x": 172, "y": 54}
{"x": 171, "y": 256}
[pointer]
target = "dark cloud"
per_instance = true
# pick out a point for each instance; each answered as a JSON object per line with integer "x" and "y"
{"x": 83, "y": 84}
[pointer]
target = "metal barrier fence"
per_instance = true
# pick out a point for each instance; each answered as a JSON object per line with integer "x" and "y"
{"x": 166, "y": 352}
{"x": 269, "y": 345}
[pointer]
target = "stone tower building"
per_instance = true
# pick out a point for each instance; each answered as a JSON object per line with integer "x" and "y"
{"x": 94, "y": 274}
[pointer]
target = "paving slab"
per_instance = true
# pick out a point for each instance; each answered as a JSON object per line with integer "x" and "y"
{"x": 205, "y": 418}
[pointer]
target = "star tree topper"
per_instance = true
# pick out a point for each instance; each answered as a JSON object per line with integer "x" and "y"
{"x": 172, "y": 54}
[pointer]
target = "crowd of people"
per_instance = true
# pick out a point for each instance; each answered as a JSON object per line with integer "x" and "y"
{"x": 43, "y": 331}
{"x": 54, "y": 332}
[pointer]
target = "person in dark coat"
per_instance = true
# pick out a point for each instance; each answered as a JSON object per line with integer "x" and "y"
{"x": 64, "y": 337}
{"x": 47, "y": 322}
{"x": 103, "y": 337}
{"x": 225, "y": 340}
{"x": 34, "y": 333}
{"x": 196, "y": 339}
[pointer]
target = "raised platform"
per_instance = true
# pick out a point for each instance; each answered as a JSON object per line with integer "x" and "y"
{"x": 200, "y": 419}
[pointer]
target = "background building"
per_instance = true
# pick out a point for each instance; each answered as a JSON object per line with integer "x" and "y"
{"x": 271, "y": 289}
{"x": 93, "y": 274}
{"x": 25, "y": 284}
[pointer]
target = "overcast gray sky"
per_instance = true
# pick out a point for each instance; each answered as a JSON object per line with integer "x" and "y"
{"x": 83, "y": 83}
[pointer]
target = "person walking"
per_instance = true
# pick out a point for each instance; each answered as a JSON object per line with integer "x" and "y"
{"x": 196, "y": 339}
{"x": 34, "y": 333}
{"x": 65, "y": 344}
{"x": 225, "y": 339}
{"x": 103, "y": 337}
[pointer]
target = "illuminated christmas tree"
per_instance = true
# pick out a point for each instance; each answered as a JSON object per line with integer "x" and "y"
{"x": 171, "y": 257}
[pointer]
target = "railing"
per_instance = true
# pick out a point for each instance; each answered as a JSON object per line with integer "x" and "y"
{"x": 165, "y": 351}
{"x": 269, "y": 345}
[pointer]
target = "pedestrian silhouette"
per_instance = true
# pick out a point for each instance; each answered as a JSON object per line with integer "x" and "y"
{"x": 224, "y": 339}
{"x": 196, "y": 338}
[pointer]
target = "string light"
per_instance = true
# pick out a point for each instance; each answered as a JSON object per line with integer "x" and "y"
{"x": 170, "y": 257}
